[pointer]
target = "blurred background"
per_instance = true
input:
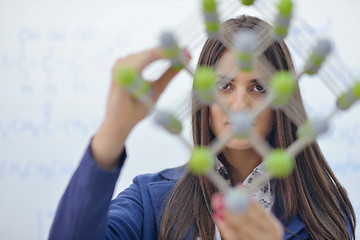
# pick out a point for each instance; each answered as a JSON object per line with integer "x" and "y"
{"x": 55, "y": 64}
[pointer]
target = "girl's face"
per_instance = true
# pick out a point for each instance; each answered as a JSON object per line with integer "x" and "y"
{"x": 243, "y": 92}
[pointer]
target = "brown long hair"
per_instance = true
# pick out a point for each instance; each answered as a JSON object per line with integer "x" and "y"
{"x": 312, "y": 191}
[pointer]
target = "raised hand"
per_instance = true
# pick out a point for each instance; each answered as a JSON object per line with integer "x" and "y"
{"x": 123, "y": 111}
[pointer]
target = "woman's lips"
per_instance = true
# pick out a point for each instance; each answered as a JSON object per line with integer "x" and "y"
{"x": 230, "y": 124}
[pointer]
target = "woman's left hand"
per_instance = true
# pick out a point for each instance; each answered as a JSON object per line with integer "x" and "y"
{"x": 253, "y": 224}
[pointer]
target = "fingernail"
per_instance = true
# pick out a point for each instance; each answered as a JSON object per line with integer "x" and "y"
{"x": 218, "y": 216}
{"x": 220, "y": 207}
{"x": 217, "y": 202}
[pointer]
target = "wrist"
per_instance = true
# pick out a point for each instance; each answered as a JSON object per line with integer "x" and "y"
{"x": 108, "y": 143}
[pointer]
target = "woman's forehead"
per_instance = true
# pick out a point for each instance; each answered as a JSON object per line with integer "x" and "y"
{"x": 228, "y": 66}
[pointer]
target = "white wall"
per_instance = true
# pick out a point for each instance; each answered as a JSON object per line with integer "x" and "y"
{"x": 55, "y": 61}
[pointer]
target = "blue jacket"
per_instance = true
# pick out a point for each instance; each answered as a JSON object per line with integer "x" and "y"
{"x": 87, "y": 212}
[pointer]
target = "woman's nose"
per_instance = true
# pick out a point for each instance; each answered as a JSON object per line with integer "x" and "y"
{"x": 240, "y": 101}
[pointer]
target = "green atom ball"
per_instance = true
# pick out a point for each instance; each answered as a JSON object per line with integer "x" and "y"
{"x": 174, "y": 125}
{"x": 172, "y": 52}
{"x": 342, "y": 102}
{"x": 281, "y": 31}
{"x": 305, "y": 130}
{"x": 142, "y": 90}
{"x": 209, "y": 5}
{"x": 283, "y": 84}
{"x": 285, "y": 7}
{"x": 212, "y": 27}
{"x": 279, "y": 164}
{"x": 126, "y": 76}
{"x": 204, "y": 79}
{"x": 248, "y": 2}
{"x": 201, "y": 161}
{"x": 356, "y": 90}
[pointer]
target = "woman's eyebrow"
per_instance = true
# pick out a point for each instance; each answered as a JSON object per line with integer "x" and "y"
{"x": 225, "y": 77}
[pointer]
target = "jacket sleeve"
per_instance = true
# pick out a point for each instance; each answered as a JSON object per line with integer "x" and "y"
{"x": 83, "y": 211}
{"x": 126, "y": 214}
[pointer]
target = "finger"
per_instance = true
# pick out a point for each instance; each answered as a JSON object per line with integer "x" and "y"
{"x": 250, "y": 228}
{"x": 234, "y": 224}
{"x": 217, "y": 204}
{"x": 140, "y": 60}
{"x": 256, "y": 213}
{"x": 251, "y": 232}
{"x": 227, "y": 233}
{"x": 233, "y": 219}
{"x": 245, "y": 220}
{"x": 276, "y": 226}
{"x": 247, "y": 229}
{"x": 159, "y": 85}
{"x": 259, "y": 224}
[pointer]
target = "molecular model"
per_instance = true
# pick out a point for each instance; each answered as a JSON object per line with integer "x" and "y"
{"x": 280, "y": 88}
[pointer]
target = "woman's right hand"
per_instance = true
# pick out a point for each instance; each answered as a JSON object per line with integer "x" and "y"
{"x": 123, "y": 111}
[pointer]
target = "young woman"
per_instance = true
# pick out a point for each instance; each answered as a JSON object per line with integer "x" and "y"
{"x": 175, "y": 204}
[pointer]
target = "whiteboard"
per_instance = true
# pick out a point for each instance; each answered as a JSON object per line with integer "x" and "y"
{"x": 55, "y": 62}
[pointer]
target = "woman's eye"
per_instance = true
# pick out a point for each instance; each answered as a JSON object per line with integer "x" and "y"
{"x": 224, "y": 86}
{"x": 224, "y": 82}
{"x": 259, "y": 88}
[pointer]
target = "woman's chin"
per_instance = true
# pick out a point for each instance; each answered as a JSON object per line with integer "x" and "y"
{"x": 239, "y": 144}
